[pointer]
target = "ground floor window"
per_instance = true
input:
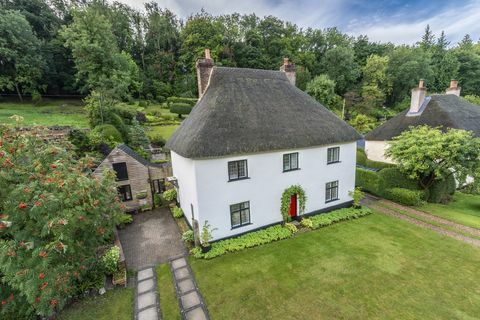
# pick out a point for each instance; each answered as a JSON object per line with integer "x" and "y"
{"x": 158, "y": 185}
{"x": 331, "y": 193}
{"x": 125, "y": 192}
{"x": 240, "y": 214}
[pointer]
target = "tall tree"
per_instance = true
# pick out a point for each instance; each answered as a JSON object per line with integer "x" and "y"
{"x": 21, "y": 63}
{"x": 339, "y": 64}
{"x": 428, "y": 38}
{"x": 322, "y": 89}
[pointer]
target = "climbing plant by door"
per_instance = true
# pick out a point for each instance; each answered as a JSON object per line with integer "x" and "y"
{"x": 286, "y": 196}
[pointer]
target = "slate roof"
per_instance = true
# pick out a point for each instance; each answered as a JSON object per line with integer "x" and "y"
{"x": 443, "y": 110}
{"x": 245, "y": 111}
{"x": 139, "y": 158}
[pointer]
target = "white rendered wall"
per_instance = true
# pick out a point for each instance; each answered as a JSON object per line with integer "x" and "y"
{"x": 184, "y": 171}
{"x": 265, "y": 185}
{"x": 375, "y": 151}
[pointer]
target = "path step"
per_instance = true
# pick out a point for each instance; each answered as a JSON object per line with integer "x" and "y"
{"x": 147, "y": 305}
{"x": 192, "y": 305}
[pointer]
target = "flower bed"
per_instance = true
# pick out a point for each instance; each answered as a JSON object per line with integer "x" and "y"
{"x": 323, "y": 220}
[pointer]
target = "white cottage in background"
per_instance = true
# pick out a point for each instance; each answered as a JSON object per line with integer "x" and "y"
{"x": 447, "y": 110}
{"x": 251, "y": 136}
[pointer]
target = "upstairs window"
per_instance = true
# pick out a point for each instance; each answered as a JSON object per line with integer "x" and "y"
{"x": 125, "y": 193}
{"x": 240, "y": 214}
{"x": 333, "y": 155}
{"x": 331, "y": 193}
{"x": 237, "y": 170}
{"x": 121, "y": 170}
{"x": 290, "y": 161}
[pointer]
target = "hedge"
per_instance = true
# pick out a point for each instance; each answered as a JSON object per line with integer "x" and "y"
{"x": 367, "y": 180}
{"x": 326, "y": 219}
{"x": 405, "y": 196}
{"x": 364, "y": 161}
{"x": 394, "y": 178}
{"x": 189, "y": 101}
{"x": 361, "y": 157}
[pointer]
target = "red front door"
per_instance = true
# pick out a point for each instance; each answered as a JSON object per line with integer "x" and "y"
{"x": 293, "y": 206}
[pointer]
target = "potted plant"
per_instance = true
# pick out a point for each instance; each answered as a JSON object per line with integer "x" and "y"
{"x": 206, "y": 237}
{"x": 142, "y": 197}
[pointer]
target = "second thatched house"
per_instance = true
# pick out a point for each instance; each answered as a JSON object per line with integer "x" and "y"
{"x": 252, "y": 140}
{"x": 438, "y": 110}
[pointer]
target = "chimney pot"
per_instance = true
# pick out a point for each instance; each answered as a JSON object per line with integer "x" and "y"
{"x": 207, "y": 54}
{"x": 421, "y": 83}
{"x": 418, "y": 97}
{"x": 454, "y": 88}
{"x": 289, "y": 69}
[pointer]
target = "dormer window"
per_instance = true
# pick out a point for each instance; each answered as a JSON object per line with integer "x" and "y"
{"x": 237, "y": 170}
{"x": 121, "y": 170}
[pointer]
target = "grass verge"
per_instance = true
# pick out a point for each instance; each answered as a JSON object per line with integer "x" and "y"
{"x": 168, "y": 297}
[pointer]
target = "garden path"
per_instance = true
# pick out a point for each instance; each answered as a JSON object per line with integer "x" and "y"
{"x": 192, "y": 306}
{"x": 147, "y": 306}
{"x": 376, "y": 203}
{"x": 153, "y": 238}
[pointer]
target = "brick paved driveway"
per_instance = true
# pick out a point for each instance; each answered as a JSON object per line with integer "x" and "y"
{"x": 151, "y": 239}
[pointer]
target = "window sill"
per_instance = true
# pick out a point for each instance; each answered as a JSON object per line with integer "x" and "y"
{"x": 120, "y": 180}
{"x": 333, "y": 162}
{"x": 291, "y": 170}
{"x": 333, "y": 200}
{"x": 233, "y": 180}
{"x": 243, "y": 225}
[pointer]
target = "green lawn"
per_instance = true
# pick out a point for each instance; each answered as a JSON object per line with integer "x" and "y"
{"x": 62, "y": 113}
{"x": 163, "y": 131}
{"x": 168, "y": 298}
{"x": 376, "y": 267}
{"x": 463, "y": 209}
{"x": 115, "y": 304}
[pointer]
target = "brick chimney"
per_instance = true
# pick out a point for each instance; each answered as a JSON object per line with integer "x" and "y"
{"x": 289, "y": 69}
{"x": 418, "y": 97}
{"x": 454, "y": 88}
{"x": 204, "y": 70}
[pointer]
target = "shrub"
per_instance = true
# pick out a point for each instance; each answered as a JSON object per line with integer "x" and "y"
{"x": 108, "y": 132}
{"x": 123, "y": 219}
{"x": 170, "y": 194}
{"x": 357, "y": 196}
{"x": 206, "y": 235}
{"x": 326, "y": 219}
{"x": 142, "y": 104}
{"x": 158, "y": 141}
{"x": 157, "y": 200}
{"x": 189, "y": 101}
{"x": 442, "y": 191}
{"x": 248, "y": 240}
{"x": 367, "y": 180}
{"x": 405, "y": 196}
{"x": 109, "y": 260}
{"x": 187, "y": 236}
{"x": 177, "y": 212}
{"x": 291, "y": 227}
{"x": 361, "y": 157}
{"x": 180, "y": 108}
{"x": 307, "y": 223}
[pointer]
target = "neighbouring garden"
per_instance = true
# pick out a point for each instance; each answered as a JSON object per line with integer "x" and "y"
{"x": 373, "y": 268}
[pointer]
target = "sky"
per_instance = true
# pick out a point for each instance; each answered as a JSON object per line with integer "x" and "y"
{"x": 399, "y": 22}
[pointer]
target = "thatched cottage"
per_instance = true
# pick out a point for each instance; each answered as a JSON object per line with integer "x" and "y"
{"x": 251, "y": 136}
{"x": 138, "y": 180}
{"x": 438, "y": 110}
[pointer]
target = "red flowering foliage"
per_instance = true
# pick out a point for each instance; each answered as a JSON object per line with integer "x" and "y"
{"x": 46, "y": 198}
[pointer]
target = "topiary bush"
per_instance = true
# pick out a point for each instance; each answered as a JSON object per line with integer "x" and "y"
{"x": 361, "y": 157}
{"x": 180, "y": 108}
{"x": 405, "y": 196}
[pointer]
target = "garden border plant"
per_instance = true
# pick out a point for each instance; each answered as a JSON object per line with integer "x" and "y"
{"x": 286, "y": 196}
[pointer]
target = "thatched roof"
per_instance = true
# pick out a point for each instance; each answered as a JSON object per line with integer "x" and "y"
{"x": 443, "y": 110}
{"x": 246, "y": 111}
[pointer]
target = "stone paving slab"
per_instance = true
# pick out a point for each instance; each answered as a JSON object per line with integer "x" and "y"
{"x": 145, "y": 274}
{"x": 181, "y": 273}
{"x": 196, "y": 314}
{"x": 148, "y": 314}
{"x": 186, "y": 286}
{"x": 190, "y": 300}
{"x": 146, "y": 300}
{"x": 178, "y": 263}
{"x": 145, "y": 286}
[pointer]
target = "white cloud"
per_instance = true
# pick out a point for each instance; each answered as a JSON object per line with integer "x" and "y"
{"x": 456, "y": 21}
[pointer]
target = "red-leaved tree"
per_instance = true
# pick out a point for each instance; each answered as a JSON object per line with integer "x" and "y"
{"x": 53, "y": 216}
